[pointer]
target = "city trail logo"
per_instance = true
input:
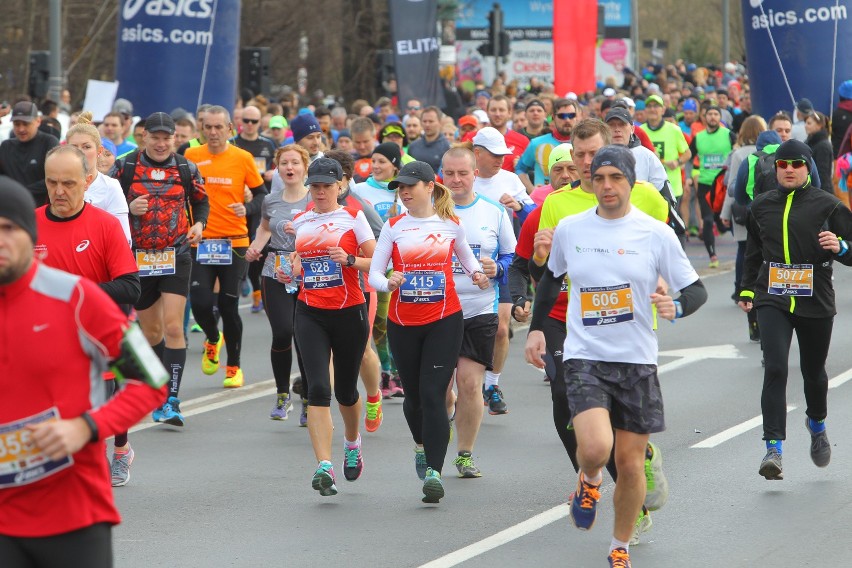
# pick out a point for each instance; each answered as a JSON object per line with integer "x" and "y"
{"x": 593, "y": 250}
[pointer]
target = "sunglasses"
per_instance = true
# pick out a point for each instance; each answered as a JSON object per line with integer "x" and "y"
{"x": 414, "y": 108}
{"x": 566, "y": 115}
{"x": 795, "y": 163}
{"x": 250, "y": 121}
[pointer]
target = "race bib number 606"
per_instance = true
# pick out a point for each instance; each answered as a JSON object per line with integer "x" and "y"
{"x": 606, "y": 305}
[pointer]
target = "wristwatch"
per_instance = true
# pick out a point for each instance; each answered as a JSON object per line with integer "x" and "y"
{"x": 350, "y": 260}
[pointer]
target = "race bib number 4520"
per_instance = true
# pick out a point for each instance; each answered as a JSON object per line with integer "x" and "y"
{"x": 155, "y": 262}
{"x": 606, "y": 305}
{"x": 21, "y": 462}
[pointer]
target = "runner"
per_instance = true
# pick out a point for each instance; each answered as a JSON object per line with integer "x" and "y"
{"x": 386, "y": 161}
{"x": 603, "y": 353}
{"x": 793, "y": 237}
{"x": 169, "y": 210}
{"x": 425, "y": 319}
{"x": 489, "y": 232}
{"x": 55, "y": 496}
{"x": 331, "y": 316}
{"x": 226, "y": 170}
{"x": 104, "y": 193}
{"x": 279, "y": 300}
{"x": 504, "y": 187}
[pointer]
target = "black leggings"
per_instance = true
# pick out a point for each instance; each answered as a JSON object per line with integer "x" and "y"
{"x": 342, "y": 333}
{"x": 708, "y": 219}
{"x": 554, "y": 338}
{"x": 90, "y": 546}
{"x": 426, "y": 356}
{"x": 281, "y": 311}
{"x": 254, "y": 271}
{"x": 814, "y": 337}
{"x": 201, "y": 297}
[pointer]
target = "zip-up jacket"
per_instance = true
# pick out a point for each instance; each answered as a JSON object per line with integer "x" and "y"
{"x": 783, "y": 228}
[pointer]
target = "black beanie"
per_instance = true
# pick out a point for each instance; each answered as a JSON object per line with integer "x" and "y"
{"x": 17, "y": 205}
{"x": 794, "y": 150}
{"x": 390, "y": 151}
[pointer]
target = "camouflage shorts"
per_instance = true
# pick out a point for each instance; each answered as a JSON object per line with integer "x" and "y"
{"x": 630, "y": 392}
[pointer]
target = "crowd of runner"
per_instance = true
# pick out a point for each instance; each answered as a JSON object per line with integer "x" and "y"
{"x": 398, "y": 243}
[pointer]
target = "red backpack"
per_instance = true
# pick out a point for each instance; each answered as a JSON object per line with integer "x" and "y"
{"x": 718, "y": 191}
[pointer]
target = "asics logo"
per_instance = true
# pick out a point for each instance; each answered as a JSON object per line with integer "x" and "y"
{"x": 82, "y": 246}
{"x": 187, "y": 8}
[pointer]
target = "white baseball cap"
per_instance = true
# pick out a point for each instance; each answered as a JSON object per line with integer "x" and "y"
{"x": 609, "y": 92}
{"x": 481, "y": 116}
{"x": 491, "y": 139}
{"x": 571, "y": 95}
{"x": 629, "y": 102}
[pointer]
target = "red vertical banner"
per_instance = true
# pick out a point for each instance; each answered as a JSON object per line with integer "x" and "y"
{"x": 575, "y": 35}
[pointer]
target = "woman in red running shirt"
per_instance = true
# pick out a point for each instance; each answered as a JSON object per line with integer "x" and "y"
{"x": 425, "y": 323}
{"x": 331, "y": 315}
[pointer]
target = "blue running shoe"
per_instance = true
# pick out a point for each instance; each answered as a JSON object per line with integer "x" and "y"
{"x": 433, "y": 487}
{"x": 493, "y": 398}
{"x": 169, "y": 413}
{"x": 420, "y": 462}
{"x": 323, "y": 480}
{"x": 282, "y": 407}
{"x": 584, "y": 504}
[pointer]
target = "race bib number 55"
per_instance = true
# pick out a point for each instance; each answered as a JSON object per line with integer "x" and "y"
{"x": 606, "y": 305}
{"x": 21, "y": 462}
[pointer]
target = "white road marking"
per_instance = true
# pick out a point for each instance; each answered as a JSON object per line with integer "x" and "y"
{"x": 505, "y": 536}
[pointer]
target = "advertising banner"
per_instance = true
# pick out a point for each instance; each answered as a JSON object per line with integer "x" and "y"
{"x": 790, "y": 46}
{"x": 574, "y": 40}
{"x": 416, "y": 46}
{"x": 177, "y": 53}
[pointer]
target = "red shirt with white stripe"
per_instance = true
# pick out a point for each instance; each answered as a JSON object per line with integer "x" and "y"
{"x": 327, "y": 284}
{"x": 422, "y": 249}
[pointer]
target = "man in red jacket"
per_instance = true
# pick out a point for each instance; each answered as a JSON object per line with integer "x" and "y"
{"x": 55, "y": 493}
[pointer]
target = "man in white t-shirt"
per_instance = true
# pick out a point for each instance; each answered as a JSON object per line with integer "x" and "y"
{"x": 614, "y": 255}
{"x": 504, "y": 187}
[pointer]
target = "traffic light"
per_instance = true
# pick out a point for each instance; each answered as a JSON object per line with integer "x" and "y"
{"x": 254, "y": 69}
{"x": 498, "y": 38}
{"x": 39, "y": 74}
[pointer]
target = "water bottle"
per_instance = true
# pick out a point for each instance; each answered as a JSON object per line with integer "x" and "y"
{"x": 284, "y": 260}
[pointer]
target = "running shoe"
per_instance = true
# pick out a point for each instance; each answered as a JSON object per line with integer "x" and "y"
{"x": 493, "y": 398}
{"x": 374, "y": 416}
{"x": 353, "y": 463}
{"x": 714, "y": 262}
{"x": 303, "y": 417}
{"x": 195, "y": 328}
{"x": 467, "y": 469}
{"x": 643, "y": 524}
{"x": 210, "y": 359}
{"x": 433, "y": 487}
{"x": 754, "y": 332}
{"x": 420, "y": 462}
{"x": 323, "y": 480}
{"x": 245, "y": 288}
{"x": 657, "y": 486}
{"x": 233, "y": 378}
{"x": 770, "y": 467}
{"x": 283, "y": 405}
{"x": 820, "y": 448}
{"x": 385, "y": 386}
{"x": 619, "y": 558}
{"x": 256, "y": 302}
{"x": 120, "y": 467}
{"x": 169, "y": 413}
{"x": 396, "y": 386}
{"x": 584, "y": 504}
{"x": 296, "y": 387}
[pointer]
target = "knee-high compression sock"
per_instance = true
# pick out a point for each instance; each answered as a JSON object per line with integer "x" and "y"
{"x": 174, "y": 360}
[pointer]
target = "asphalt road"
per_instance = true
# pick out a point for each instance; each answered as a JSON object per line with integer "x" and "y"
{"x": 232, "y": 488}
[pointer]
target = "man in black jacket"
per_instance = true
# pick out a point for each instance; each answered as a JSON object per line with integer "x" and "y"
{"x": 794, "y": 234}
{"x": 22, "y": 157}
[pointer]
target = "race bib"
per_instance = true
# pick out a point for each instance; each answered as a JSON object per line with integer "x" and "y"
{"x": 21, "y": 462}
{"x": 713, "y": 161}
{"x": 606, "y": 305}
{"x": 155, "y": 262}
{"x": 321, "y": 272}
{"x": 214, "y": 251}
{"x": 565, "y": 287}
{"x": 791, "y": 279}
{"x": 457, "y": 266}
{"x": 423, "y": 287}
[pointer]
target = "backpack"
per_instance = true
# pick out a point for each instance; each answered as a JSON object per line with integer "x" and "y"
{"x": 844, "y": 177}
{"x": 128, "y": 173}
{"x": 718, "y": 192}
{"x": 765, "y": 178}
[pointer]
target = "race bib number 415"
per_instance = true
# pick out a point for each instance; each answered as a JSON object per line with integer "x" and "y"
{"x": 606, "y": 305}
{"x": 423, "y": 287}
{"x": 21, "y": 462}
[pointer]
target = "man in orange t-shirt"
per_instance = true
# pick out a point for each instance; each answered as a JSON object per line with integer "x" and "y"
{"x": 227, "y": 171}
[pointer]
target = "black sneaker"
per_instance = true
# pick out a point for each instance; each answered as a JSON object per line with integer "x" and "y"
{"x": 493, "y": 397}
{"x": 820, "y": 448}
{"x": 770, "y": 467}
{"x": 754, "y": 332}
